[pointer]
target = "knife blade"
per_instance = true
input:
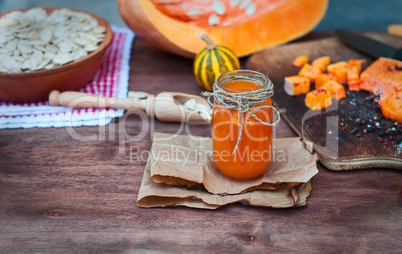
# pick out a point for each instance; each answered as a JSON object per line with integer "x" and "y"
{"x": 368, "y": 46}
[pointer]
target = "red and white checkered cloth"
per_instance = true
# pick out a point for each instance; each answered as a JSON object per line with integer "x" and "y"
{"x": 111, "y": 80}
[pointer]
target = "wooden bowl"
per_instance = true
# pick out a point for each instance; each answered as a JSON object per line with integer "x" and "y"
{"x": 36, "y": 85}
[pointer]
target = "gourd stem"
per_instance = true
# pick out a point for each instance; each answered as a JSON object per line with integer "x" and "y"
{"x": 210, "y": 43}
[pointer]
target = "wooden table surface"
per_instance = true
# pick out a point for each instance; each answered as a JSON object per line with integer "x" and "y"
{"x": 76, "y": 193}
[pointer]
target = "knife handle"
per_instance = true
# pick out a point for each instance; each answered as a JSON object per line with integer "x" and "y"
{"x": 397, "y": 55}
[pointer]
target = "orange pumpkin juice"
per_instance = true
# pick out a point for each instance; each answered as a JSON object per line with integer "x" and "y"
{"x": 253, "y": 155}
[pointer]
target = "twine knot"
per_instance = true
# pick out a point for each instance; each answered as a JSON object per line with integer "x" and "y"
{"x": 243, "y": 102}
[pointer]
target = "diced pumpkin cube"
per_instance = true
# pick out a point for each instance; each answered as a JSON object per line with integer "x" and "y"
{"x": 352, "y": 73}
{"x": 296, "y": 85}
{"x": 300, "y": 61}
{"x": 354, "y": 85}
{"x": 341, "y": 74}
{"x": 318, "y": 99}
{"x": 332, "y": 67}
{"x": 322, "y": 63}
{"x": 338, "y": 69}
{"x": 359, "y": 63}
{"x": 309, "y": 72}
{"x": 323, "y": 78}
{"x": 337, "y": 90}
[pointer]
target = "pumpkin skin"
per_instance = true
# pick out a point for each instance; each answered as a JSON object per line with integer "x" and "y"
{"x": 164, "y": 24}
{"x": 212, "y": 61}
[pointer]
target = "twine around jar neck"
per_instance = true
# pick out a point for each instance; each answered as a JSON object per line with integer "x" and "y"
{"x": 243, "y": 102}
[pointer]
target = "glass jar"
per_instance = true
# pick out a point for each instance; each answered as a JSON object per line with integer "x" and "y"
{"x": 252, "y": 156}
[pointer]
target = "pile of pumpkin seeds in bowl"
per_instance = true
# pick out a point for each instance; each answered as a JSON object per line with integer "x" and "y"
{"x": 35, "y": 40}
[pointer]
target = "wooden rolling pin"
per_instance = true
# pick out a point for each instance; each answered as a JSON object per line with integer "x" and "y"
{"x": 166, "y": 106}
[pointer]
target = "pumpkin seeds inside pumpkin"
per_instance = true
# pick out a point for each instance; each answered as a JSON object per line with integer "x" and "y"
{"x": 251, "y": 9}
{"x": 234, "y": 2}
{"x": 213, "y": 19}
{"x": 218, "y": 7}
{"x": 193, "y": 12}
{"x": 245, "y": 3}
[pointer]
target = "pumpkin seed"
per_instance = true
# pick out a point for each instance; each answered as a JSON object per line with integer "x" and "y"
{"x": 42, "y": 64}
{"x": 24, "y": 46}
{"x": 49, "y": 55}
{"x": 3, "y": 38}
{"x": 204, "y": 111}
{"x": 62, "y": 58}
{"x": 24, "y": 35}
{"x": 12, "y": 45}
{"x": 99, "y": 30}
{"x": 17, "y": 52}
{"x": 19, "y": 59}
{"x": 2, "y": 69}
{"x": 33, "y": 36}
{"x": 251, "y": 9}
{"x": 52, "y": 48}
{"x": 193, "y": 12}
{"x": 10, "y": 64}
{"x": 245, "y": 3}
{"x": 49, "y": 66}
{"x": 65, "y": 47}
{"x": 46, "y": 34}
{"x": 190, "y": 104}
{"x": 81, "y": 41}
{"x": 218, "y": 7}
{"x": 78, "y": 54}
{"x": 234, "y": 2}
{"x": 9, "y": 23}
{"x": 36, "y": 58}
{"x": 213, "y": 19}
{"x": 26, "y": 65}
{"x": 37, "y": 42}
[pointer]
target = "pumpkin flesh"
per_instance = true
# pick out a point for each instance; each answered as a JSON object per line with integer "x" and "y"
{"x": 162, "y": 23}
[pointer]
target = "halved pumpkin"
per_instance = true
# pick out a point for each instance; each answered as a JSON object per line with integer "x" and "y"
{"x": 243, "y": 26}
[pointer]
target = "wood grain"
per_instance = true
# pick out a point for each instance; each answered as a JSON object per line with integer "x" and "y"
{"x": 338, "y": 149}
{"x": 59, "y": 194}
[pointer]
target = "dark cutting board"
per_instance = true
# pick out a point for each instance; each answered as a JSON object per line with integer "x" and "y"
{"x": 337, "y": 148}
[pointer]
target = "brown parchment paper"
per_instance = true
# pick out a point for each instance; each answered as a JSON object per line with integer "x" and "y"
{"x": 288, "y": 185}
{"x": 153, "y": 194}
{"x": 186, "y": 161}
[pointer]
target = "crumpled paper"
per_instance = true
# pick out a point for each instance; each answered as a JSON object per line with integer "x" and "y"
{"x": 181, "y": 172}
